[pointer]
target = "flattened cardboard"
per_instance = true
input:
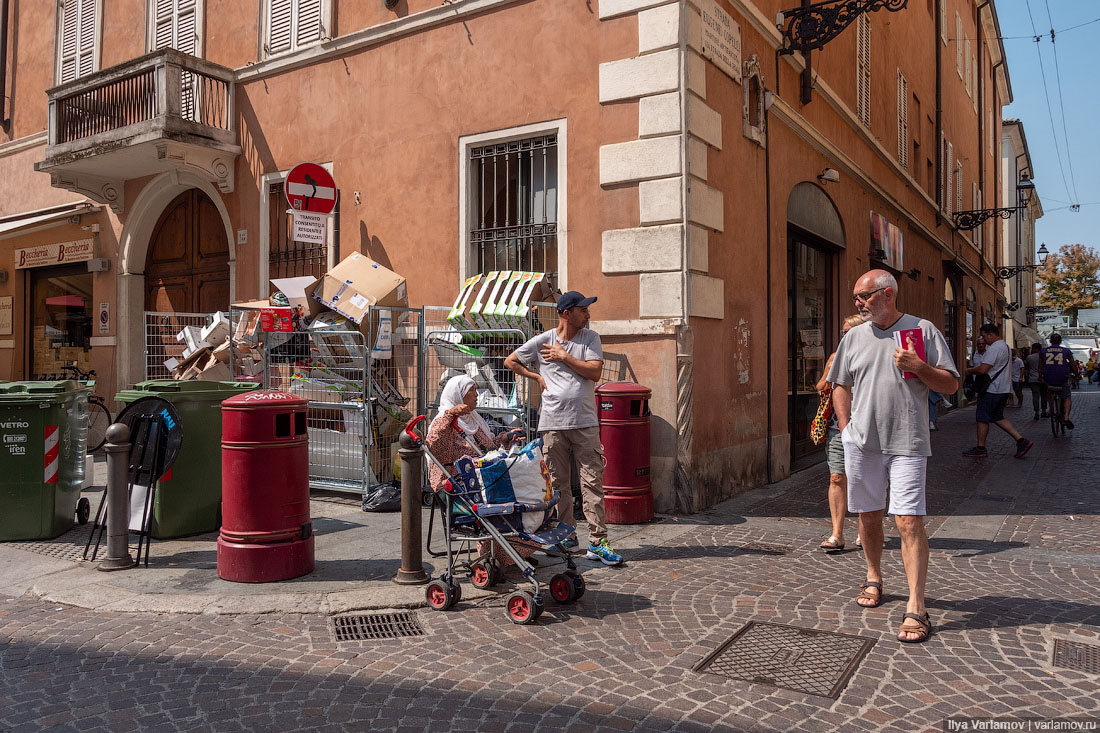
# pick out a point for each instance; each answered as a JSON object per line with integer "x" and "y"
{"x": 356, "y": 284}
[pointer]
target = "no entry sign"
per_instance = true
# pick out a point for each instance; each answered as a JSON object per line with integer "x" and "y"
{"x": 309, "y": 187}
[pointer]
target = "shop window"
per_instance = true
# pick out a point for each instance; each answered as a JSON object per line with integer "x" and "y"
{"x": 514, "y": 205}
{"x": 292, "y": 24}
{"x": 753, "y": 121}
{"x": 61, "y": 320}
{"x": 287, "y": 257}
{"x": 950, "y": 314}
{"x": 78, "y": 29}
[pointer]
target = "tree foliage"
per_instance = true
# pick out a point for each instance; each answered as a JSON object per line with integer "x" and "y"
{"x": 1070, "y": 279}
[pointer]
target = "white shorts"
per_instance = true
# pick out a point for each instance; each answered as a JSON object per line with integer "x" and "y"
{"x": 873, "y": 475}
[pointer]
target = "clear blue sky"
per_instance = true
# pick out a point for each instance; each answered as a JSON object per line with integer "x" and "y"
{"x": 1071, "y": 62}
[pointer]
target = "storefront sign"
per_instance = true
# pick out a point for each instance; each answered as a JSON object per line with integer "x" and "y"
{"x": 57, "y": 253}
{"x": 813, "y": 345}
{"x": 104, "y": 317}
{"x": 721, "y": 39}
{"x": 309, "y": 227}
{"x": 886, "y": 241}
{"x": 5, "y": 315}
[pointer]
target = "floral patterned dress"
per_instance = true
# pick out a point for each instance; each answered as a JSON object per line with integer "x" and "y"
{"x": 447, "y": 444}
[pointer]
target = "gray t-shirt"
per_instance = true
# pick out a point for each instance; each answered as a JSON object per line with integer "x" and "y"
{"x": 1031, "y": 368}
{"x": 569, "y": 401}
{"x": 889, "y": 413}
{"x": 997, "y": 356}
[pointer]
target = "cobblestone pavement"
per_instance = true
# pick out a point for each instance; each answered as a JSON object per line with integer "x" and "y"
{"x": 623, "y": 657}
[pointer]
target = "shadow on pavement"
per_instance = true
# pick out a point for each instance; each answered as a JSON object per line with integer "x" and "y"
{"x": 979, "y": 547}
{"x": 996, "y": 612}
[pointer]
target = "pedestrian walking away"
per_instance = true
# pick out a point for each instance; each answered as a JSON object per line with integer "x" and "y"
{"x": 1058, "y": 365}
{"x": 834, "y": 456}
{"x": 881, "y": 402}
{"x": 1017, "y": 379}
{"x": 568, "y": 361}
{"x": 1033, "y": 374}
{"x": 993, "y": 385}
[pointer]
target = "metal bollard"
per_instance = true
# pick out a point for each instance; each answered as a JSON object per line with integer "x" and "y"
{"x": 118, "y": 503}
{"x": 412, "y": 558}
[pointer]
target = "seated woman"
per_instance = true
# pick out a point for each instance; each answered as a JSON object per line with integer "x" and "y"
{"x": 457, "y": 410}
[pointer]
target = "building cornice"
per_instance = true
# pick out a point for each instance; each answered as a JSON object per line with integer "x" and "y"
{"x": 449, "y": 12}
{"x": 23, "y": 143}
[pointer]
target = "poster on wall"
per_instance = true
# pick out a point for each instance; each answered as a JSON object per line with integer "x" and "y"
{"x": 812, "y": 342}
{"x": 5, "y": 315}
{"x": 886, "y": 240}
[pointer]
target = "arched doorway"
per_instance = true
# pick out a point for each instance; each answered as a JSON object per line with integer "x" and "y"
{"x": 187, "y": 264}
{"x": 815, "y": 238}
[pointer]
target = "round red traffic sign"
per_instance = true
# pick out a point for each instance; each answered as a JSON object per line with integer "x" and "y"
{"x": 309, "y": 187}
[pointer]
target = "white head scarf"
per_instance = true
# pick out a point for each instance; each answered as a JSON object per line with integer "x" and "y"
{"x": 453, "y": 393}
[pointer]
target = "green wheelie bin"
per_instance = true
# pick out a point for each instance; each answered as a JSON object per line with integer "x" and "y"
{"x": 188, "y": 497}
{"x": 43, "y": 434}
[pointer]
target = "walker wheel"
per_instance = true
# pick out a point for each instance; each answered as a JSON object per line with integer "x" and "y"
{"x": 484, "y": 575}
{"x": 561, "y": 588}
{"x": 522, "y": 608}
{"x": 83, "y": 511}
{"x": 578, "y": 586}
{"x": 442, "y": 596}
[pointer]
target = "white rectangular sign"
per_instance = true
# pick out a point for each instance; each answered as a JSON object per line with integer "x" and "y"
{"x": 55, "y": 253}
{"x": 309, "y": 227}
{"x": 721, "y": 39}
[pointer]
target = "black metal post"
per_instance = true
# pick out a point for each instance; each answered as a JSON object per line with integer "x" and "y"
{"x": 411, "y": 455}
{"x": 118, "y": 503}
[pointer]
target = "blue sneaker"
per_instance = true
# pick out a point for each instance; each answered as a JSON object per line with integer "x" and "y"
{"x": 569, "y": 544}
{"x": 603, "y": 552}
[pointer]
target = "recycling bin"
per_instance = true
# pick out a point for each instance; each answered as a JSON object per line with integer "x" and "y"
{"x": 188, "y": 496}
{"x": 43, "y": 434}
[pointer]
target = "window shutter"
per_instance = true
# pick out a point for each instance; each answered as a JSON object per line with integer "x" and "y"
{"x": 966, "y": 59}
{"x": 279, "y": 25}
{"x": 863, "y": 70}
{"x": 70, "y": 41}
{"x": 974, "y": 66}
{"x": 86, "y": 51}
{"x": 947, "y": 199}
{"x": 308, "y": 26}
{"x": 958, "y": 186}
{"x": 958, "y": 45}
{"x": 943, "y": 21}
{"x": 163, "y": 24}
{"x": 903, "y": 121}
{"x": 187, "y": 35}
{"x": 977, "y": 204}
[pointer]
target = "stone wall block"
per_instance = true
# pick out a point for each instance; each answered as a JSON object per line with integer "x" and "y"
{"x": 640, "y": 160}
{"x": 643, "y": 249}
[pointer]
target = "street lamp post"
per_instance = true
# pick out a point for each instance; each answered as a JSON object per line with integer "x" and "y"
{"x": 1024, "y": 190}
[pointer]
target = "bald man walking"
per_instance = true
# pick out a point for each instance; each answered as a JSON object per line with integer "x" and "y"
{"x": 883, "y": 418}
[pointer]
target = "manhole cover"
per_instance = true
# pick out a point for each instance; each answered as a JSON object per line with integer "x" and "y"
{"x": 69, "y": 546}
{"x": 364, "y": 627}
{"x": 804, "y": 660}
{"x": 1077, "y": 655}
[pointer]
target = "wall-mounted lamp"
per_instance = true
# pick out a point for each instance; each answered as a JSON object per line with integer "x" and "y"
{"x": 829, "y": 175}
{"x": 913, "y": 274}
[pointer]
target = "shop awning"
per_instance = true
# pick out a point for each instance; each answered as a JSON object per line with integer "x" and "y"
{"x": 1026, "y": 336}
{"x": 18, "y": 223}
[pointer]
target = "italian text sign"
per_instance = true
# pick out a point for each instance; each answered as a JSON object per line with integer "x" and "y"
{"x": 721, "y": 39}
{"x": 56, "y": 253}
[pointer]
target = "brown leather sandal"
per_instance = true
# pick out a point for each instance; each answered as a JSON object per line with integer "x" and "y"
{"x": 863, "y": 594}
{"x": 922, "y": 625}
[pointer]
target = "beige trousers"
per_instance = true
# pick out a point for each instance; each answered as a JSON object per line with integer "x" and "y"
{"x": 588, "y": 451}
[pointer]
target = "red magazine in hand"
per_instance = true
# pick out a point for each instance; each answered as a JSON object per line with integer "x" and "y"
{"x": 911, "y": 337}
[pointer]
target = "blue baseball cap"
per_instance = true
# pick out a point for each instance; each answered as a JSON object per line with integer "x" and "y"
{"x": 573, "y": 299}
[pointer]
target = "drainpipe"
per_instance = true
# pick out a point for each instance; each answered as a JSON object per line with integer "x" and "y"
{"x": 685, "y": 384}
{"x": 5, "y": 120}
{"x": 768, "y": 268}
{"x": 939, "y": 115}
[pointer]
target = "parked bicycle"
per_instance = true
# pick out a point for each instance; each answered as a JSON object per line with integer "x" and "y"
{"x": 99, "y": 417}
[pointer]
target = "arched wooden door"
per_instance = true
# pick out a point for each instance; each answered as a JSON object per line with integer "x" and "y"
{"x": 187, "y": 268}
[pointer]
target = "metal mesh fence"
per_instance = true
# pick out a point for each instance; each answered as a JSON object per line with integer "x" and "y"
{"x": 163, "y": 345}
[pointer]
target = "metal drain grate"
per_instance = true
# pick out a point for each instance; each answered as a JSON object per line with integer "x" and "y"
{"x": 764, "y": 548}
{"x": 805, "y": 660}
{"x": 69, "y": 546}
{"x": 1077, "y": 655}
{"x": 364, "y": 627}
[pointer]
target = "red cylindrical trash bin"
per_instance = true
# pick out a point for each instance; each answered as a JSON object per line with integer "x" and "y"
{"x": 266, "y": 533}
{"x": 624, "y": 431}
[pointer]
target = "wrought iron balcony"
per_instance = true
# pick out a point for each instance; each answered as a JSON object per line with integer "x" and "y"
{"x": 142, "y": 117}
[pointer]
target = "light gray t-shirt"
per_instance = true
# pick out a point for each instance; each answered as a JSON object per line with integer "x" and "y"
{"x": 569, "y": 401}
{"x": 997, "y": 356}
{"x": 889, "y": 413}
{"x": 1031, "y": 368}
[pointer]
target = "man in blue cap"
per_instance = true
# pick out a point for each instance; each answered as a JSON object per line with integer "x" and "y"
{"x": 567, "y": 362}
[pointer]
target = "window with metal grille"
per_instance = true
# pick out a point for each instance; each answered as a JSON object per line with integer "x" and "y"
{"x": 514, "y": 217}
{"x": 77, "y": 38}
{"x": 292, "y": 24}
{"x": 286, "y": 257}
{"x": 863, "y": 70}
{"x": 903, "y": 121}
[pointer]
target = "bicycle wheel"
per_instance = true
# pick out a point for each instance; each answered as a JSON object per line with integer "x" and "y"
{"x": 99, "y": 418}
